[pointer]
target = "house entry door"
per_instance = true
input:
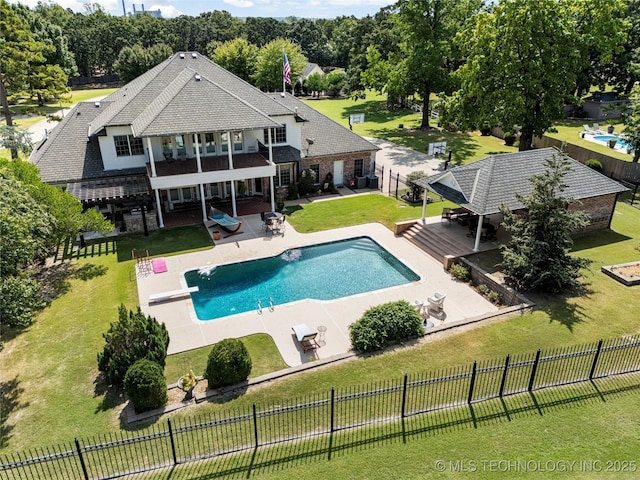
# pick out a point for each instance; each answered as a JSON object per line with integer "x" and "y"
{"x": 338, "y": 173}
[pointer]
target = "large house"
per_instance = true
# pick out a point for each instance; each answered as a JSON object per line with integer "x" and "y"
{"x": 188, "y": 132}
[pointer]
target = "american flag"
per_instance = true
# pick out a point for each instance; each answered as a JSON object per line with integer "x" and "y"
{"x": 286, "y": 68}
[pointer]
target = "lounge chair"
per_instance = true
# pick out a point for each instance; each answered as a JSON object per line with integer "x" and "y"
{"x": 436, "y": 303}
{"x": 596, "y": 129}
{"x": 588, "y": 129}
{"x": 227, "y": 223}
{"x": 306, "y": 337}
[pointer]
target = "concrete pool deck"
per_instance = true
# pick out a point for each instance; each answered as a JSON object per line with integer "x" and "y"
{"x": 187, "y": 332}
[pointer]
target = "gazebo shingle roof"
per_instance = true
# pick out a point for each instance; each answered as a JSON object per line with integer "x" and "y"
{"x": 483, "y": 186}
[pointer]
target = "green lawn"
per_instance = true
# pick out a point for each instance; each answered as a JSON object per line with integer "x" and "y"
{"x": 357, "y": 210}
{"x": 569, "y": 131}
{"x": 380, "y": 122}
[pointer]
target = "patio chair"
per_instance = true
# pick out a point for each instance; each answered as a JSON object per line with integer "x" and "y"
{"x": 306, "y": 337}
{"x": 588, "y": 129}
{"x": 596, "y": 129}
{"x": 436, "y": 303}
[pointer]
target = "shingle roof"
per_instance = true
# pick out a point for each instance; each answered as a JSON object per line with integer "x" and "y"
{"x": 483, "y": 186}
{"x": 329, "y": 137}
{"x": 131, "y": 101}
{"x": 67, "y": 155}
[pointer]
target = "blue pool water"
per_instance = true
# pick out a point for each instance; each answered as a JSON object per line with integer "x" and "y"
{"x": 620, "y": 143}
{"x": 323, "y": 272}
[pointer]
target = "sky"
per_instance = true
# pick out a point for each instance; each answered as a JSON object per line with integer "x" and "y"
{"x": 237, "y": 8}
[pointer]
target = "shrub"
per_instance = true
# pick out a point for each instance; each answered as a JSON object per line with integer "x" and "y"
{"x": 483, "y": 290}
{"x": 493, "y": 297}
{"x": 293, "y": 192}
{"x": 145, "y": 385}
{"x": 307, "y": 184}
{"x": 509, "y": 138}
{"x": 381, "y": 324}
{"x": 415, "y": 190}
{"x": 460, "y": 272}
{"x": 229, "y": 363}
{"x": 595, "y": 164}
{"x": 485, "y": 130}
{"x": 133, "y": 337}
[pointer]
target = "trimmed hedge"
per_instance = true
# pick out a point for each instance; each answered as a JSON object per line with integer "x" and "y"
{"x": 145, "y": 385}
{"x": 229, "y": 363}
{"x": 389, "y": 322}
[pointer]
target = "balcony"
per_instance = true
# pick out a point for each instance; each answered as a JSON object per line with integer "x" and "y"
{"x": 176, "y": 173}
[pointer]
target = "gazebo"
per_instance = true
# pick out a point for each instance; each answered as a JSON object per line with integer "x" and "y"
{"x": 482, "y": 187}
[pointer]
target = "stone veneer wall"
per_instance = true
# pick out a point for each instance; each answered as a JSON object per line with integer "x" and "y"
{"x": 134, "y": 222}
{"x": 508, "y": 296}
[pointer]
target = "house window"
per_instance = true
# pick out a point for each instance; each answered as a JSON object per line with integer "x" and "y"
{"x": 127, "y": 145}
{"x": 136, "y": 145}
{"x": 224, "y": 142}
{"x": 182, "y": 151}
{"x": 316, "y": 168}
{"x": 187, "y": 194}
{"x": 278, "y": 135}
{"x": 210, "y": 143}
{"x": 358, "y": 168}
{"x": 283, "y": 175}
{"x": 174, "y": 195}
{"x": 167, "y": 147}
{"x": 238, "y": 145}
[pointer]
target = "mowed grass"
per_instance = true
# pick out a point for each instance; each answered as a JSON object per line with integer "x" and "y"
{"x": 382, "y": 122}
{"x": 50, "y": 378}
{"x": 357, "y": 210}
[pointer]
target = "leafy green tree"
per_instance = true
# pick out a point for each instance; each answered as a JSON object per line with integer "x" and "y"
{"x": 237, "y": 56}
{"x": 134, "y": 61}
{"x": 537, "y": 256}
{"x": 134, "y": 336}
{"x": 632, "y": 123}
{"x": 145, "y": 385}
{"x": 315, "y": 83}
{"x": 311, "y": 38}
{"x": 336, "y": 81}
{"x": 228, "y": 363}
{"x": 523, "y": 59}
{"x": 268, "y": 72}
{"x": 428, "y": 57}
{"x": 13, "y": 138}
{"x": 262, "y": 30}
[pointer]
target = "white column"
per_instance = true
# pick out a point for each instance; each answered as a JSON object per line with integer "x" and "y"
{"x": 233, "y": 198}
{"x": 476, "y": 247}
{"x": 271, "y": 185}
{"x": 229, "y": 152}
{"x": 203, "y": 203}
{"x": 151, "y": 159}
{"x": 159, "y": 208}
{"x": 424, "y": 206}
{"x": 273, "y": 198}
{"x": 197, "y": 145}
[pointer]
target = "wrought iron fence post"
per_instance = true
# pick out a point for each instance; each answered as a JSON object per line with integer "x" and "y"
{"x": 397, "y": 182}
{"x": 173, "y": 445}
{"x": 82, "y": 464}
{"x": 504, "y": 375}
{"x": 331, "y": 425}
{"x": 473, "y": 382}
{"x": 533, "y": 371}
{"x": 255, "y": 424}
{"x": 595, "y": 360}
{"x": 381, "y": 186}
{"x": 404, "y": 394}
{"x": 390, "y": 177}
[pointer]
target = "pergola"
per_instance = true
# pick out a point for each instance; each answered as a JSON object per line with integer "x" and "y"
{"x": 484, "y": 186}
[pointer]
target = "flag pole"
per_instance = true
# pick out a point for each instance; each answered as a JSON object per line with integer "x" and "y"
{"x": 283, "y": 57}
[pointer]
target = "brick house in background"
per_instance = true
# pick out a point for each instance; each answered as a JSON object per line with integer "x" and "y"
{"x": 190, "y": 133}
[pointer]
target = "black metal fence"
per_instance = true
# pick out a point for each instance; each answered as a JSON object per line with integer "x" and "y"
{"x": 181, "y": 441}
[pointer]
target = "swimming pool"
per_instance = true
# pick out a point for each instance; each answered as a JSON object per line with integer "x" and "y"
{"x": 323, "y": 272}
{"x": 604, "y": 139}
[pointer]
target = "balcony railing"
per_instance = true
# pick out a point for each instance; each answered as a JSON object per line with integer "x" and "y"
{"x": 209, "y": 164}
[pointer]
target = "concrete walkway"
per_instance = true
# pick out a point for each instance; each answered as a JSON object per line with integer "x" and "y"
{"x": 187, "y": 332}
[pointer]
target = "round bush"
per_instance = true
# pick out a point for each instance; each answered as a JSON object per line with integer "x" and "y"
{"x": 594, "y": 164}
{"x": 381, "y": 324}
{"x": 229, "y": 363}
{"x": 145, "y": 385}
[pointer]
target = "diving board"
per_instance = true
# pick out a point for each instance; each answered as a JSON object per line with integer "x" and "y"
{"x": 172, "y": 294}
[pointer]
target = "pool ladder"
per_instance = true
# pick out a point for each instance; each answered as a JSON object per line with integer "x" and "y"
{"x": 271, "y": 306}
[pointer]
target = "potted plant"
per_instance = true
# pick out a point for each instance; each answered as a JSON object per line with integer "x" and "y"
{"x": 187, "y": 383}
{"x": 509, "y": 139}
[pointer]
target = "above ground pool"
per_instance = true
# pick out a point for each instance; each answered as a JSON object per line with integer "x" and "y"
{"x": 323, "y": 272}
